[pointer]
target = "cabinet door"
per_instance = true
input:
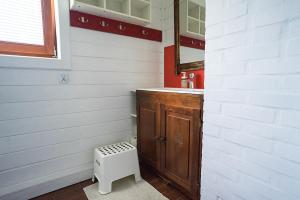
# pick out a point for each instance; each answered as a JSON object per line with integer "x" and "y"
{"x": 180, "y": 128}
{"x": 148, "y": 133}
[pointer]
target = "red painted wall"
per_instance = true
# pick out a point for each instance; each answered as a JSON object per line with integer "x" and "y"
{"x": 170, "y": 78}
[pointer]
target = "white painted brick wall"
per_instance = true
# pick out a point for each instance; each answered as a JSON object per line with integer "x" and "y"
{"x": 251, "y": 144}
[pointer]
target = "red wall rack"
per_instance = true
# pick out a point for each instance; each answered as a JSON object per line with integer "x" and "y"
{"x": 192, "y": 43}
{"x": 92, "y": 22}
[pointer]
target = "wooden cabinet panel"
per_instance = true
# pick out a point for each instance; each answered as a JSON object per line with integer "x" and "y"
{"x": 148, "y": 138}
{"x": 180, "y": 155}
{"x": 177, "y": 143}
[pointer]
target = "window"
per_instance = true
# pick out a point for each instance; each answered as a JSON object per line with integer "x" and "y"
{"x": 27, "y": 28}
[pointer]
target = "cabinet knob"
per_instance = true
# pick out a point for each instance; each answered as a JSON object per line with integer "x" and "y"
{"x": 163, "y": 139}
{"x": 157, "y": 138}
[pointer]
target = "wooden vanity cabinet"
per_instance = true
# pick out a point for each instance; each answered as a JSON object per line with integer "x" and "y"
{"x": 170, "y": 137}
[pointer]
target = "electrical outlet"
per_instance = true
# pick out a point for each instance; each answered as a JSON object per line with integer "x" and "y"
{"x": 64, "y": 79}
{"x": 218, "y": 198}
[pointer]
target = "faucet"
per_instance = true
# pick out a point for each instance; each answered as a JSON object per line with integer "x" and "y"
{"x": 191, "y": 80}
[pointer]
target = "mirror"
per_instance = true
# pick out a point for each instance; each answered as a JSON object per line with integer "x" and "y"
{"x": 189, "y": 34}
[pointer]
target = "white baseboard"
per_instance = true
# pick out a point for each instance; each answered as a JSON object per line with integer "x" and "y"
{"x": 39, "y": 186}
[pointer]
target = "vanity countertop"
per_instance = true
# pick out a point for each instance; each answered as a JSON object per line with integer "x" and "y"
{"x": 175, "y": 90}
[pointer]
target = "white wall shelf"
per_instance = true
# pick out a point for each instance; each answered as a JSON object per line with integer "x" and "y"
{"x": 192, "y": 18}
{"x": 133, "y": 115}
{"x": 131, "y": 11}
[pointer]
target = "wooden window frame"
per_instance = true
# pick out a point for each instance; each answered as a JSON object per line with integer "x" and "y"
{"x": 49, "y": 47}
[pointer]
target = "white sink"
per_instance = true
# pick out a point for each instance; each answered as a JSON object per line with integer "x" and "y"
{"x": 175, "y": 90}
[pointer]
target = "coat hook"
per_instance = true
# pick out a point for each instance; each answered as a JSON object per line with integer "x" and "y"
{"x": 104, "y": 23}
{"x": 83, "y": 20}
{"x": 144, "y": 32}
{"x": 121, "y": 27}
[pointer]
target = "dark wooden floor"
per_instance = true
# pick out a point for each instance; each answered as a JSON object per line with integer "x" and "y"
{"x": 75, "y": 192}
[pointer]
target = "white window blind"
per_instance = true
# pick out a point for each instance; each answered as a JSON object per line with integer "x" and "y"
{"x": 21, "y": 21}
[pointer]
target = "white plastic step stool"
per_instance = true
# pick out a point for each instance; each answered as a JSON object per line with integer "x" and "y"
{"x": 113, "y": 162}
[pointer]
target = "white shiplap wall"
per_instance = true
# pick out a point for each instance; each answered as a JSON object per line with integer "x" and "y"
{"x": 251, "y": 144}
{"x": 48, "y": 130}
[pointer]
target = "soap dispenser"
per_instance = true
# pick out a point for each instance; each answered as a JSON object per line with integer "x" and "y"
{"x": 184, "y": 82}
